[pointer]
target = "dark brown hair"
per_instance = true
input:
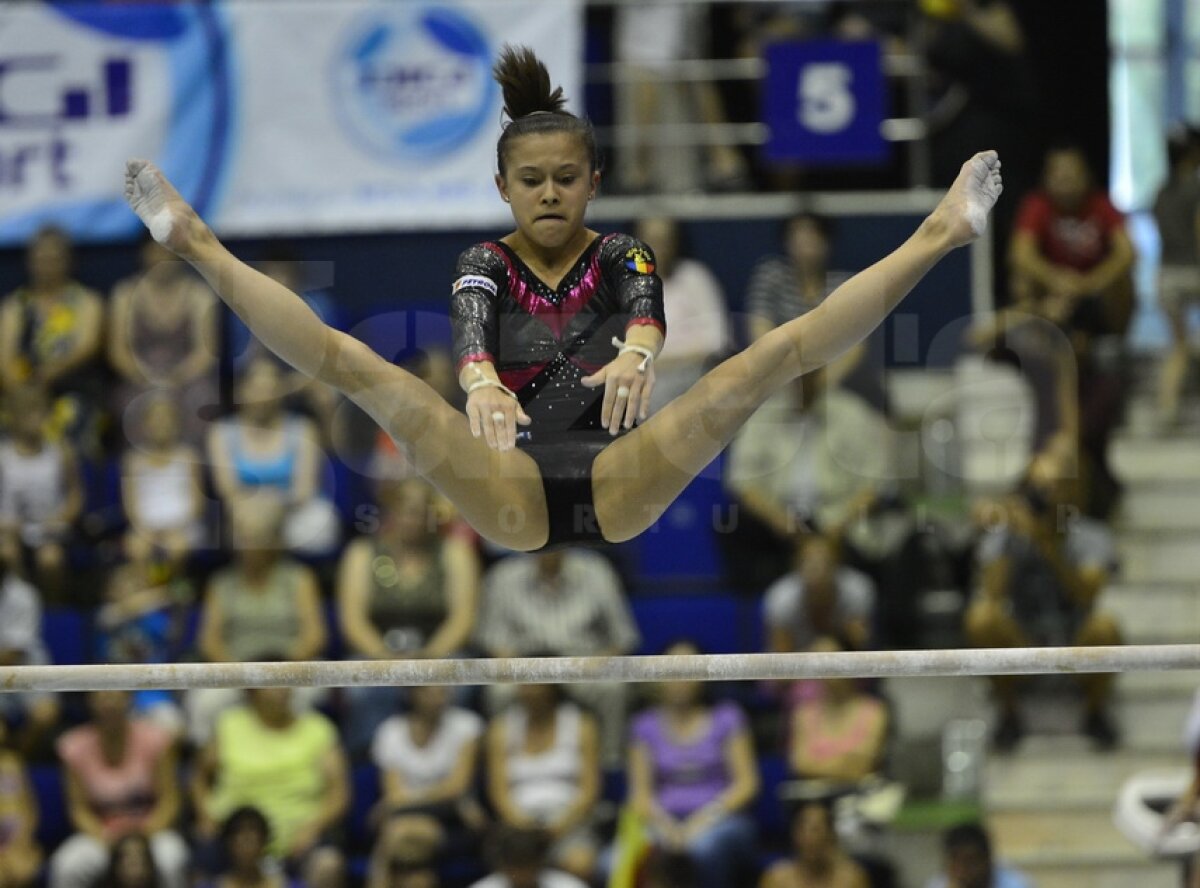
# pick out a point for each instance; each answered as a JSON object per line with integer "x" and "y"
{"x": 533, "y": 105}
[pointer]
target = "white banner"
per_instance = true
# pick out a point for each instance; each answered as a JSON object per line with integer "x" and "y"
{"x": 285, "y": 117}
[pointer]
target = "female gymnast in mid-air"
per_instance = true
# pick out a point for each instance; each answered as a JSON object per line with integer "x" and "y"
{"x": 555, "y": 330}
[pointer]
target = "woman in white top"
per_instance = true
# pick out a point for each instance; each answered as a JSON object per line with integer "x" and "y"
{"x": 427, "y": 763}
{"x": 161, "y": 487}
{"x": 543, "y": 764}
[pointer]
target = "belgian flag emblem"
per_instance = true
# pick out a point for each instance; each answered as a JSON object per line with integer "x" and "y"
{"x": 639, "y": 260}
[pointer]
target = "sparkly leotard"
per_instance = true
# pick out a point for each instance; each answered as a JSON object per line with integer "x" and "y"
{"x": 543, "y": 341}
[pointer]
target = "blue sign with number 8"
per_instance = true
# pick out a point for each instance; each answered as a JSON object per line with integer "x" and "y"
{"x": 824, "y": 102}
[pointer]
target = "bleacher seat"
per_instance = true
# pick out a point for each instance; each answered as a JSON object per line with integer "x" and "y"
{"x": 66, "y": 633}
{"x": 712, "y": 621}
{"x": 47, "y": 784}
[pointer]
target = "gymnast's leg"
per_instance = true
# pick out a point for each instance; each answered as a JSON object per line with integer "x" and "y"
{"x": 500, "y": 494}
{"x": 638, "y": 476}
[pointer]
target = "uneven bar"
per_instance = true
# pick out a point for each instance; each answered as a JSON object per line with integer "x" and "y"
{"x": 572, "y": 670}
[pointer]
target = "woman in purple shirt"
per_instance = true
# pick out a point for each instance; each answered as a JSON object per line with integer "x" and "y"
{"x": 692, "y": 773}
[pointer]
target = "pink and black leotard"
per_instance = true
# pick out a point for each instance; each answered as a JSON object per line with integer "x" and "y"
{"x": 543, "y": 341}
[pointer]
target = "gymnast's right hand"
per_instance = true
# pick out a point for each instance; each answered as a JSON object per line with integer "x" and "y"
{"x": 495, "y": 414}
{"x": 171, "y": 221}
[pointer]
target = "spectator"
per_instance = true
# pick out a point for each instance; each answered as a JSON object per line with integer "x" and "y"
{"x": 20, "y": 853}
{"x": 543, "y": 769}
{"x": 787, "y": 286}
{"x": 263, "y": 451}
{"x": 131, "y": 864}
{"x": 21, "y": 644}
{"x": 245, "y": 838}
{"x": 565, "y": 603}
{"x": 290, "y": 767}
{"x": 143, "y": 621}
{"x": 50, "y": 336}
{"x": 811, "y": 456}
{"x": 821, "y": 599}
{"x": 695, "y": 311}
{"x": 41, "y": 492}
{"x": 692, "y": 777}
{"x": 120, "y": 779}
{"x": 651, "y": 95}
{"x": 668, "y": 869}
{"x": 519, "y": 857}
{"x": 164, "y": 335}
{"x": 1042, "y": 568}
{"x": 967, "y": 857}
{"x": 1177, "y": 212}
{"x": 1071, "y": 256}
{"x": 405, "y": 591}
{"x": 427, "y": 763}
{"x": 819, "y": 860}
{"x": 838, "y": 734}
{"x": 162, "y": 490}
{"x": 261, "y": 605}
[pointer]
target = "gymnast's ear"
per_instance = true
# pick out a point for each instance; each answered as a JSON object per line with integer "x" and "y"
{"x": 502, "y": 188}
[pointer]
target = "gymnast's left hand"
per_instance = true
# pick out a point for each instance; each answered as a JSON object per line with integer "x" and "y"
{"x": 626, "y": 390}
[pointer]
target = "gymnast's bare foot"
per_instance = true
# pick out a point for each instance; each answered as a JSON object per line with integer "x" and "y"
{"x": 171, "y": 221}
{"x": 962, "y": 215}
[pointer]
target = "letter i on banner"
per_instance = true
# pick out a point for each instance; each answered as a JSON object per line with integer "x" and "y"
{"x": 824, "y": 103}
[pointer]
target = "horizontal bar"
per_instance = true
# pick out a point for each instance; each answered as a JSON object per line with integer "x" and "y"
{"x": 573, "y": 670}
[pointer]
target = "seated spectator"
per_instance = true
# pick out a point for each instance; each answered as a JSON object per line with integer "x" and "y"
{"x": 1071, "y": 255}
{"x": 245, "y": 838}
{"x": 50, "y": 337}
{"x": 967, "y": 858}
{"x": 784, "y": 287}
{"x": 41, "y": 492}
{"x": 1042, "y": 567}
{"x": 20, "y": 853}
{"x": 692, "y": 777}
{"x": 264, "y": 604}
{"x": 404, "y": 591}
{"x": 21, "y": 644}
{"x": 162, "y": 490}
{"x": 131, "y": 864}
{"x": 261, "y": 451}
{"x": 819, "y": 860}
{"x": 565, "y": 603}
{"x": 291, "y": 768}
{"x": 811, "y": 455}
{"x": 821, "y": 599}
{"x": 164, "y": 335}
{"x": 519, "y": 857}
{"x": 1177, "y": 212}
{"x": 543, "y": 772}
{"x": 142, "y": 620}
{"x": 427, "y": 765}
{"x": 839, "y": 733}
{"x": 120, "y": 779}
{"x": 695, "y": 309}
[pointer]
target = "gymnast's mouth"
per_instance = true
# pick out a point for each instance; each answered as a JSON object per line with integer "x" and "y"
{"x": 551, "y": 217}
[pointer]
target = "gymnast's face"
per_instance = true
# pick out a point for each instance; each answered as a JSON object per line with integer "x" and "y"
{"x": 548, "y": 181}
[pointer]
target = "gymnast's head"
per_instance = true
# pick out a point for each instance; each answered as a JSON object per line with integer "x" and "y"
{"x": 548, "y": 164}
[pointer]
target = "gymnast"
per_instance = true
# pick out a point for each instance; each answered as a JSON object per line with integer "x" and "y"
{"x": 555, "y": 332}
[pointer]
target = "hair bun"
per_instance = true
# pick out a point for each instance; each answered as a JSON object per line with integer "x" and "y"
{"x": 525, "y": 83}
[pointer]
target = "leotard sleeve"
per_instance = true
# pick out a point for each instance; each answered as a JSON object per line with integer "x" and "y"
{"x": 480, "y": 276}
{"x": 629, "y": 265}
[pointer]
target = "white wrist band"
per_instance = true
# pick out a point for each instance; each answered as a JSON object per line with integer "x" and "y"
{"x": 485, "y": 382}
{"x": 647, "y": 355}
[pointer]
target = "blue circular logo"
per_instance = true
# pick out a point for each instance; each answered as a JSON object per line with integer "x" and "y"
{"x": 414, "y": 84}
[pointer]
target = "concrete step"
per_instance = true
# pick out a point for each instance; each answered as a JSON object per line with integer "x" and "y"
{"x": 1104, "y": 874}
{"x": 1058, "y": 838}
{"x": 1053, "y": 771}
{"x": 1158, "y": 684}
{"x": 1135, "y": 460}
{"x": 1155, "y": 613}
{"x": 1160, "y": 505}
{"x": 1149, "y": 723}
{"x": 1159, "y": 556}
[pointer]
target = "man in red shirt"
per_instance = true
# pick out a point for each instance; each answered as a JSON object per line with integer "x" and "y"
{"x": 1071, "y": 256}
